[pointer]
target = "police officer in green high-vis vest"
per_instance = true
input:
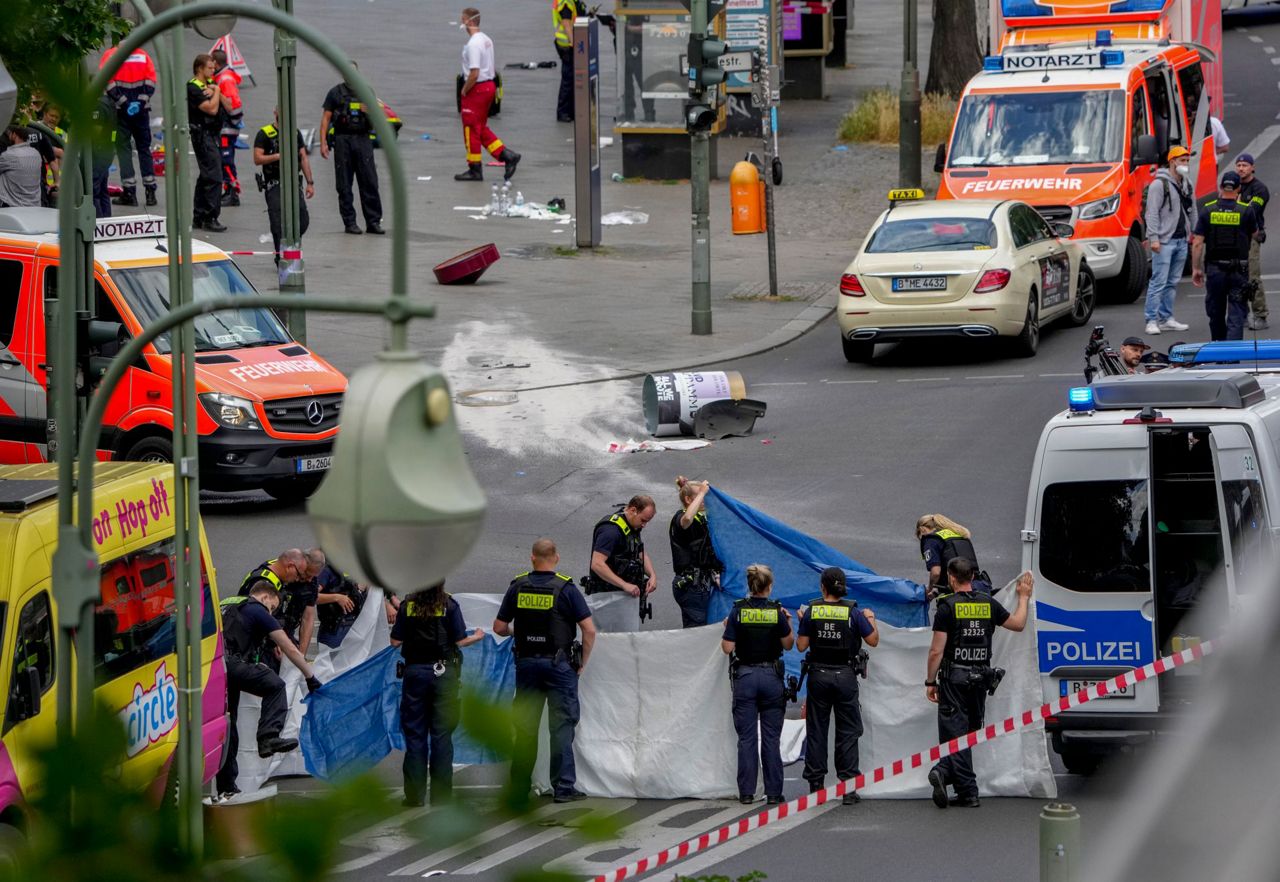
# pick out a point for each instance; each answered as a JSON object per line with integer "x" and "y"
{"x": 1220, "y": 258}
{"x": 545, "y": 610}
{"x": 430, "y": 632}
{"x": 832, "y": 630}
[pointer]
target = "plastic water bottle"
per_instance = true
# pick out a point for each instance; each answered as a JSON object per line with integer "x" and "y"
{"x": 506, "y": 200}
{"x": 519, "y": 199}
{"x": 493, "y": 201}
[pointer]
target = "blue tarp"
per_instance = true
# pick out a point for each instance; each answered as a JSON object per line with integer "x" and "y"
{"x": 743, "y": 536}
{"x": 353, "y": 721}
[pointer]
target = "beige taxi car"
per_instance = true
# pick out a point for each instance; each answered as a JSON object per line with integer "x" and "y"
{"x": 961, "y": 268}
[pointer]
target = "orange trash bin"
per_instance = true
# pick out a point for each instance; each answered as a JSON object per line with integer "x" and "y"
{"x": 746, "y": 199}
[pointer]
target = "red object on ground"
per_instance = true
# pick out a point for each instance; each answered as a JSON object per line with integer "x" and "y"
{"x": 466, "y": 267}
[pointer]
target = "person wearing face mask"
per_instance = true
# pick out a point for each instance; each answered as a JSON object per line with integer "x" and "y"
{"x": 1169, "y": 201}
{"x": 475, "y": 101}
{"x": 1255, "y": 193}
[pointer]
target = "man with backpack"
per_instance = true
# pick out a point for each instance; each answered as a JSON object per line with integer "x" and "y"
{"x": 1169, "y": 202}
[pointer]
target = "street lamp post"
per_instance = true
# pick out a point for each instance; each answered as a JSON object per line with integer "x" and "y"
{"x": 75, "y": 565}
{"x": 292, "y": 274}
{"x": 909, "y": 101}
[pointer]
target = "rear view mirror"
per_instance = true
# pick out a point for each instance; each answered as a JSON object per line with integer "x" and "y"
{"x": 1062, "y": 230}
{"x": 940, "y": 158}
{"x": 24, "y": 700}
{"x": 1145, "y": 151}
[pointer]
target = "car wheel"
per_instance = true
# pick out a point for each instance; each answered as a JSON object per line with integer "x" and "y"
{"x": 1026, "y": 343}
{"x": 857, "y": 351}
{"x": 291, "y": 489}
{"x": 151, "y": 449}
{"x": 1132, "y": 281}
{"x": 1086, "y": 297}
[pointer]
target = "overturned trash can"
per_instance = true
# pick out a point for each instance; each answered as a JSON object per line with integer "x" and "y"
{"x": 705, "y": 404}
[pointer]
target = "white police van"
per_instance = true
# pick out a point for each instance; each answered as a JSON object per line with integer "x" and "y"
{"x": 1148, "y": 503}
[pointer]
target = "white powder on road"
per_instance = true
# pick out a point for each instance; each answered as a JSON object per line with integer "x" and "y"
{"x": 574, "y": 419}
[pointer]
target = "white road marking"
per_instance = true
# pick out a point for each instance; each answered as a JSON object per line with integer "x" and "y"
{"x": 383, "y": 839}
{"x": 995, "y": 377}
{"x": 848, "y": 382}
{"x": 1072, "y": 374}
{"x": 1254, "y": 38}
{"x": 1268, "y": 49}
{"x": 925, "y": 380}
{"x": 645, "y": 837}
{"x": 759, "y": 836}
{"x": 1275, "y": 60}
{"x": 438, "y": 857}
{"x": 551, "y": 834}
{"x": 802, "y": 383}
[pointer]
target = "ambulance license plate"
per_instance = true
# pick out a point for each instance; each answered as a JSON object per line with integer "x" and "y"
{"x": 314, "y": 464}
{"x": 1070, "y": 687}
{"x": 920, "y": 283}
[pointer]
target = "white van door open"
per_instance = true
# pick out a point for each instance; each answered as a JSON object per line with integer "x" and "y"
{"x": 1095, "y": 613}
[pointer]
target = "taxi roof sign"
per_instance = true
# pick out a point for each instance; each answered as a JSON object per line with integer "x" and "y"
{"x": 906, "y": 195}
{"x": 143, "y": 226}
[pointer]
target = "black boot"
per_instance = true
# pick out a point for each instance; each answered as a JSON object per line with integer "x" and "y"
{"x": 128, "y": 197}
{"x": 231, "y": 198}
{"x": 151, "y": 195}
{"x": 474, "y": 172}
{"x": 511, "y": 159}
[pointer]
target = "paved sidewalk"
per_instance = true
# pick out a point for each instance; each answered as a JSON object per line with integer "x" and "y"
{"x": 571, "y": 315}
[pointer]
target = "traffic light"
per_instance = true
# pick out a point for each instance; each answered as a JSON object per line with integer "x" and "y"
{"x": 698, "y": 117}
{"x": 92, "y": 335}
{"x": 704, "y": 69}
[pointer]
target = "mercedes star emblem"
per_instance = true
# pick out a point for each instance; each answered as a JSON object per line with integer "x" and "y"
{"x": 315, "y": 412}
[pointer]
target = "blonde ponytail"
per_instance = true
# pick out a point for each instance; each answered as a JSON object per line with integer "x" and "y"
{"x": 759, "y": 579}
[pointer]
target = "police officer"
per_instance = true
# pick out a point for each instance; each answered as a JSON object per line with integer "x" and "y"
{"x": 346, "y": 129}
{"x": 618, "y": 559}
{"x": 293, "y": 575}
{"x": 755, "y": 634}
{"x": 430, "y": 631}
{"x": 697, "y": 569}
{"x": 1255, "y": 193}
{"x": 104, "y": 127}
{"x": 543, "y": 608}
{"x": 266, "y": 154}
{"x": 204, "y": 113}
{"x": 338, "y": 605}
{"x": 563, "y": 12}
{"x": 960, "y": 674}
{"x": 1220, "y": 248}
{"x": 832, "y": 630}
{"x": 941, "y": 541}
{"x": 248, "y": 630}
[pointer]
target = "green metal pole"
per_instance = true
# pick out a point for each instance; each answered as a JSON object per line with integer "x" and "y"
{"x": 292, "y": 273}
{"x": 700, "y": 188}
{"x": 76, "y": 565}
{"x": 909, "y": 101}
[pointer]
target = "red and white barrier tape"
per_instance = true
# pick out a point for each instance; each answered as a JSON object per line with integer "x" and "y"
{"x": 1021, "y": 721}
{"x": 287, "y": 255}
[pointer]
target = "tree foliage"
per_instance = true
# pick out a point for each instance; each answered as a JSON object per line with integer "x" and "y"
{"x": 44, "y": 42}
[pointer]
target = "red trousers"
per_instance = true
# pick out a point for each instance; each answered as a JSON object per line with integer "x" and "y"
{"x": 476, "y": 134}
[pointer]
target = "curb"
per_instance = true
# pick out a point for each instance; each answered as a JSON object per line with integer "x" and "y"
{"x": 808, "y": 319}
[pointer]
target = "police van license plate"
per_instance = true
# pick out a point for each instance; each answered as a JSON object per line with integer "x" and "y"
{"x": 920, "y": 283}
{"x": 1070, "y": 687}
{"x": 314, "y": 464}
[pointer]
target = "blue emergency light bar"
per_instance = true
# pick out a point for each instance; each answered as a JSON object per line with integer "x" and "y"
{"x": 1102, "y": 38}
{"x": 1226, "y": 352}
{"x": 1111, "y": 57}
{"x": 1080, "y": 399}
{"x": 993, "y": 63}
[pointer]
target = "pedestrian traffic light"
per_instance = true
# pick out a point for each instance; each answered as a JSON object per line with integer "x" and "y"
{"x": 698, "y": 117}
{"x": 399, "y": 508}
{"x": 96, "y": 344}
{"x": 704, "y": 67}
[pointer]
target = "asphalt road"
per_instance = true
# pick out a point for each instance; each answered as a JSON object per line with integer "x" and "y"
{"x": 852, "y": 454}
